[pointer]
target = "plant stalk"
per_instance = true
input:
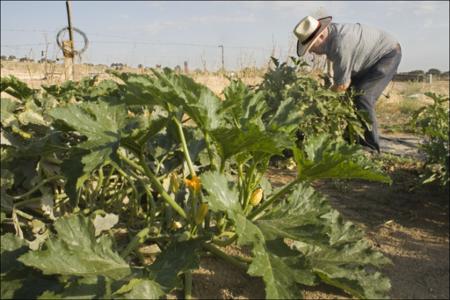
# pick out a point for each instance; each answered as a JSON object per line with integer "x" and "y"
{"x": 188, "y": 284}
{"x": 155, "y": 182}
{"x": 161, "y": 190}
{"x": 185, "y": 148}
{"x": 219, "y": 253}
{"x": 37, "y": 187}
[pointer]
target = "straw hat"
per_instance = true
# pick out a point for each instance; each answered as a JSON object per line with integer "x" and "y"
{"x": 307, "y": 31}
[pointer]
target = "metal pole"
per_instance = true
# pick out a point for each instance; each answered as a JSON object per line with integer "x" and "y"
{"x": 69, "y": 22}
{"x": 223, "y": 61}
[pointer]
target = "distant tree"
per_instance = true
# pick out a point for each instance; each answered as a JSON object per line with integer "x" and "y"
{"x": 416, "y": 72}
{"x": 434, "y": 71}
{"x": 11, "y": 57}
{"x": 3, "y": 57}
{"x": 117, "y": 66}
{"x": 140, "y": 66}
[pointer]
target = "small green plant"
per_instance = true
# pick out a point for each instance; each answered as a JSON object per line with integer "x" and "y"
{"x": 433, "y": 122}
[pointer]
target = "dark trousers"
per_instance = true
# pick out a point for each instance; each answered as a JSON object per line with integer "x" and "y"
{"x": 370, "y": 84}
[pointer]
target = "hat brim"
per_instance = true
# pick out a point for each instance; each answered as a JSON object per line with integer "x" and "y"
{"x": 302, "y": 49}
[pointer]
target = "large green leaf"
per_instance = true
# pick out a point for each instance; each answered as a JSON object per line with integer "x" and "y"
{"x": 82, "y": 288}
{"x": 141, "y": 89}
{"x": 280, "y": 268}
{"x": 139, "y": 288}
{"x": 324, "y": 157}
{"x": 346, "y": 269}
{"x": 177, "y": 258}
{"x": 102, "y": 124}
{"x": 274, "y": 268}
{"x": 286, "y": 117}
{"x": 232, "y": 141}
{"x": 15, "y": 87}
{"x": 8, "y": 107}
{"x": 75, "y": 251}
{"x": 11, "y": 248}
{"x": 334, "y": 250}
{"x": 242, "y": 106}
{"x": 198, "y": 101}
{"x": 17, "y": 280}
{"x": 221, "y": 197}
{"x": 98, "y": 121}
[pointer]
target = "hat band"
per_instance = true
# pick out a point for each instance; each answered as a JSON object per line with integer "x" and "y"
{"x": 312, "y": 35}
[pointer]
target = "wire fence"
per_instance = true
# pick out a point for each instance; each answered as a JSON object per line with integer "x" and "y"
{"x": 111, "y": 48}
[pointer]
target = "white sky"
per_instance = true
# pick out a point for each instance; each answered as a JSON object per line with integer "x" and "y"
{"x": 169, "y": 33}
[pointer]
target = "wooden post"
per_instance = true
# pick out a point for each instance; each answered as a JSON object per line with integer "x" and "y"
{"x": 69, "y": 47}
{"x": 68, "y": 60}
{"x": 223, "y": 61}
{"x": 186, "y": 68}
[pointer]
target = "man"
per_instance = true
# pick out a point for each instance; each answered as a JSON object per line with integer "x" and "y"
{"x": 363, "y": 58}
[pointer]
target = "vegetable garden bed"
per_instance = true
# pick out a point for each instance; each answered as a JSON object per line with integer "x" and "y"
{"x": 82, "y": 159}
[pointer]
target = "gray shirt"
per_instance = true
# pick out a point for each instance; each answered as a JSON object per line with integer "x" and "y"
{"x": 354, "y": 48}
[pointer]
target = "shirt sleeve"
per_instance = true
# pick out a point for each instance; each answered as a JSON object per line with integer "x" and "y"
{"x": 342, "y": 68}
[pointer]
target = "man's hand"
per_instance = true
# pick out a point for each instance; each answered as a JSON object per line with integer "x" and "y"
{"x": 340, "y": 87}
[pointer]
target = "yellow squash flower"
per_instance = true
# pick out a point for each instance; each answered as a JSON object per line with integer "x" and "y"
{"x": 194, "y": 184}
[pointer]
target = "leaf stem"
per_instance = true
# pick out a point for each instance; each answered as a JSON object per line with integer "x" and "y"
{"x": 219, "y": 253}
{"x": 210, "y": 152}
{"x": 155, "y": 182}
{"x": 138, "y": 239}
{"x": 161, "y": 190}
{"x": 34, "y": 189}
{"x": 184, "y": 145}
{"x": 188, "y": 284}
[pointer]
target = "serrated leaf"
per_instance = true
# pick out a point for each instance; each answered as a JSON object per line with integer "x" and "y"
{"x": 98, "y": 121}
{"x": 11, "y": 248}
{"x": 221, "y": 197}
{"x": 298, "y": 218}
{"x": 75, "y": 251}
{"x": 177, "y": 258}
{"x": 242, "y": 106}
{"x": 15, "y": 87}
{"x": 324, "y": 157}
{"x": 30, "y": 116}
{"x": 197, "y": 100}
{"x": 286, "y": 117}
{"x": 278, "y": 269}
{"x": 232, "y": 141}
{"x": 140, "y": 289}
{"x": 81, "y": 288}
{"x": 343, "y": 269}
{"x": 101, "y": 123}
{"x": 8, "y": 107}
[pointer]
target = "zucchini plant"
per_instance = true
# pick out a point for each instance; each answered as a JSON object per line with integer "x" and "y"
{"x": 183, "y": 171}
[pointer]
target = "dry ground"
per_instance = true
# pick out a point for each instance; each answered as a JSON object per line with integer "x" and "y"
{"x": 407, "y": 222}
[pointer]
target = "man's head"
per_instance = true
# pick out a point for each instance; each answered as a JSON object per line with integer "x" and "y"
{"x": 311, "y": 34}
